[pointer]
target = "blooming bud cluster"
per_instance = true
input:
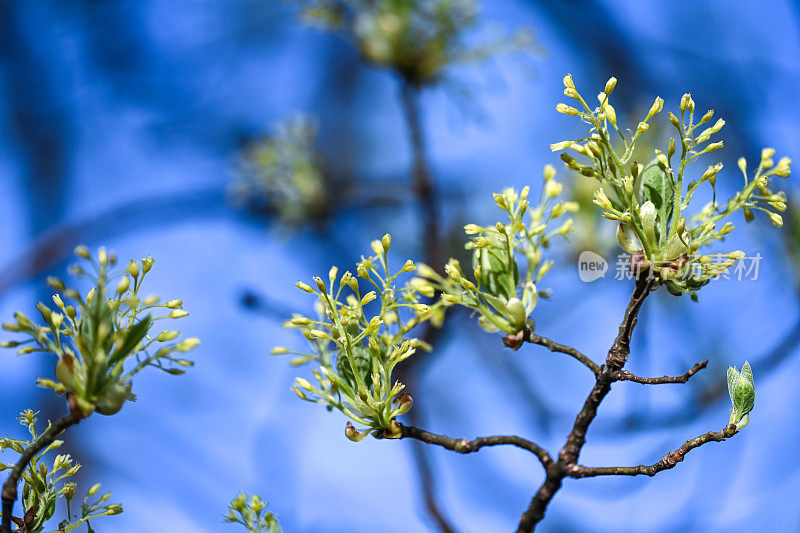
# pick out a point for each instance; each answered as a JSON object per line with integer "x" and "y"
{"x": 102, "y": 340}
{"x": 359, "y": 338}
{"x": 648, "y": 201}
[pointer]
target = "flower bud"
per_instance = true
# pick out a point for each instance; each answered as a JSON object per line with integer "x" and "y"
{"x": 552, "y": 188}
{"x": 658, "y": 105}
{"x": 133, "y": 269}
{"x": 124, "y": 284}
{"x": 567, "y": 110}
{"x": 83, "y": 252}
{"x": 561, "y": 145}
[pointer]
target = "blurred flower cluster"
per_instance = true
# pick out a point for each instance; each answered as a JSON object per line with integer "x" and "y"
{"x": 507, "y": 259}
{"x": 102, "y": 339}
{"x": 649, "y": 200}
{"x": 282, "y": 173}
{"x": 45, "y": 485}
{"x": 416, "y": 38}
{"x": 358, "y": 338}
{"x": 252, "y": 514}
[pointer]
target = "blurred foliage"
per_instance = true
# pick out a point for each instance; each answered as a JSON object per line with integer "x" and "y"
{"x": 418, "y": 39}
{"x": 282, "y": 173}
{"x": 45, "y": 485}
{"x": 252, "y": 514}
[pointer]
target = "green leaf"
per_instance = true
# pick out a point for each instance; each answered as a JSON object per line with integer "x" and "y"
{"x": 363, "y": 361}
{"x": 747, "y": 373}
{"x": 744, "y": 397}
{"x": 733, "y": 377}
{"x": 656, "y": 186}
{"x": 133, "y": 336}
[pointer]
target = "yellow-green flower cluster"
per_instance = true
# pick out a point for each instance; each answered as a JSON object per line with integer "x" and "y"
{"x": 282, "y": 173}
{"x": 44, "y": 486}
{"x": 507, "y": 259}
{"x": 252, "y": 514}
{"x": 649, "y": 200}
{"x": 358, "y": 339}
{"x": 416, "y": 38}
{"x": 102, "y": 340}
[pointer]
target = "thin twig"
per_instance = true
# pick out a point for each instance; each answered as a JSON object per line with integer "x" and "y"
{"x": 561, "y": 348}
{"x": 667, "y": 462}
{"x": 624, "y": 375}
{"x": 465, "y": 446}
{"x": 9, "y": 494}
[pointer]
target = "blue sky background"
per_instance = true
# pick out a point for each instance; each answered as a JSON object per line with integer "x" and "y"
{"x": 120, "y": 122}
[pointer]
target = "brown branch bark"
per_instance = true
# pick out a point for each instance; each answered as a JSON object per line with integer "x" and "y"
{"x": 465, "y": 446}
{"x": 562, "y": 348}
{"x": 616, "y": 359}
{"x": 9, "y": 493}
{"x": 624, "y": 375}
{"x": 666, "y": 462}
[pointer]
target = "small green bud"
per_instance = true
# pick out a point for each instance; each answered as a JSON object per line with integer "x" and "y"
{"x": 55, "y": 283}
{"x": 386, "y": 242}
{"x": 83, "y": 252}
{"x": 188, "y": 344}
{"x": 610, "y": 84}
{"x": 167, "y": 335}
{"x": 687, "y": 103}
{"x": 124, "y": 285}
{"x": 567, "y": 110}
{"x": 563, "y": 145}
{"x": 783, "y": 169}
{"x": 776, "y": 219}
{"x": 304, "y": 286}
{"x": 656, "y": 108}
{"x": 552, "y": 188}
{"x": 742, "y": 393}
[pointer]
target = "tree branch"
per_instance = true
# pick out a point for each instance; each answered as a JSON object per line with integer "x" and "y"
{"x": 465, "y": 446}
{"x": 421, "y": 175}
{"x": 9, "y": 494}
{"x": 624, "y": 375}
{"x": 667, "y": 462}
{"x": 616, "y": 359}
{"x": 568, "y": 456}
{"x": 562, "y": 348}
